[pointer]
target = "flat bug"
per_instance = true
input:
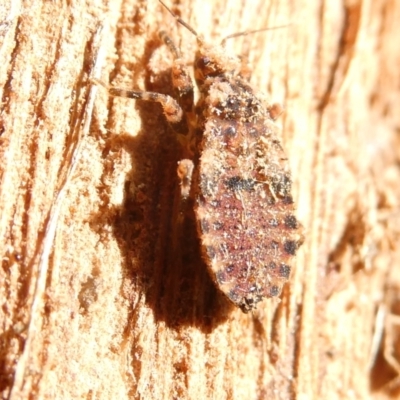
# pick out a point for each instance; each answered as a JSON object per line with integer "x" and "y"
{"x": 236, "y": 172}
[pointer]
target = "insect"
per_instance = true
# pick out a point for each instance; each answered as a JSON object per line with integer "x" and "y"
{"x": 236, "y": 172}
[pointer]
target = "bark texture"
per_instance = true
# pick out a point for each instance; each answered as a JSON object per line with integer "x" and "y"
{"x": 122, "y": 306}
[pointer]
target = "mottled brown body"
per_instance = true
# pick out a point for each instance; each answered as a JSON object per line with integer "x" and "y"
{"x": 238, "y": 175}
{"x": 242, "y": 185}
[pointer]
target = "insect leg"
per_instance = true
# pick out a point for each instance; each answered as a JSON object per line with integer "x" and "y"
{"x": 181, "y": 80}
{"x": 185, "y": 174}
{"x": 172, "y": 110}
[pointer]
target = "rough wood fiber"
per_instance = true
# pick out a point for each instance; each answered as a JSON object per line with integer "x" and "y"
{"x": 126, "y": 309}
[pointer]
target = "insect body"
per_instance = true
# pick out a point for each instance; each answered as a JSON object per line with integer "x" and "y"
{"x": 238, "y": 174}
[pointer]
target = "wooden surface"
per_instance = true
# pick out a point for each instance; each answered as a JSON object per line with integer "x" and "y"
{"x": 117, "y": 304}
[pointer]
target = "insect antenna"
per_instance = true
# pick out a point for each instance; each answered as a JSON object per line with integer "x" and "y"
{"x": 245, "y": 33}
{"x": 180, "y": 20}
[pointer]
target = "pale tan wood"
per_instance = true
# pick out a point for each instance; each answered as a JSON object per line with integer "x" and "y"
{"x": 120, "y": 315}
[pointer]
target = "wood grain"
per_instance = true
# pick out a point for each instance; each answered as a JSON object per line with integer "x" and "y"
{"x": 122, "y": 307}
